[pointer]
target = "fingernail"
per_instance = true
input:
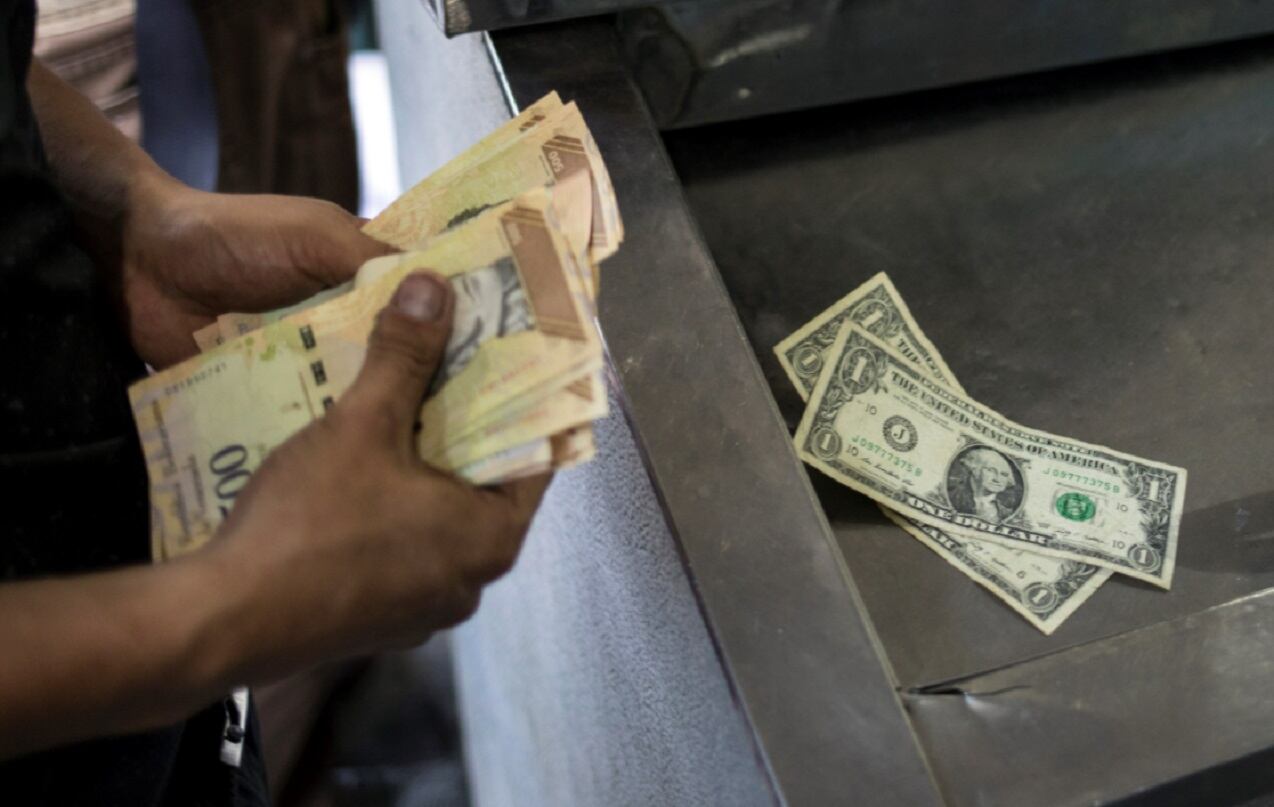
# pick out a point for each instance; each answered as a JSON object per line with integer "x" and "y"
{"x": 420, "y": 297}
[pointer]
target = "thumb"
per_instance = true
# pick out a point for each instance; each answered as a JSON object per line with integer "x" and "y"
{"x": 404, "y": 351}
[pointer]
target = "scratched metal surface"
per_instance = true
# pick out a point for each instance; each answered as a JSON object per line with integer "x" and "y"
{"x": 1177, "y": 713}
{"x": 703, "y": 62}
{"x": 1092, "y": 252}
{"x": 459, "y": 16}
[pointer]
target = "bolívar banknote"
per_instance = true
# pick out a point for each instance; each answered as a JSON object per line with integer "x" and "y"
{"x": 520, "y": 336}
{"x": 553, "y": 148}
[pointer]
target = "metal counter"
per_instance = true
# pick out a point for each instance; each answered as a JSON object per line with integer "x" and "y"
{"x": 704, "y": 61}
{"x": 700, "y": 62}
{"x": 1091, "y": 251}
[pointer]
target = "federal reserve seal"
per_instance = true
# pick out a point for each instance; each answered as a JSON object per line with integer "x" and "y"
{"x": 900, "y": 433}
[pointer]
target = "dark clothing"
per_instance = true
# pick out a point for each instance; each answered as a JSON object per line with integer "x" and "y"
{"x": 249, "y": 96}
{"x": 177, "y": 99}
{"x": 71, "y": 472}
{"x": 282, "y": 97}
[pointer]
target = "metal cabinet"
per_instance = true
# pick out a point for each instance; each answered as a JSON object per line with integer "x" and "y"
{"x": 1091, "y": 251}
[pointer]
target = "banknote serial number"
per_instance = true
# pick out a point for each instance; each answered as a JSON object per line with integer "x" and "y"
{"x": 870, "y": 447}
{"x": 1081, "y": 479}
{"x": 194, "y": 378}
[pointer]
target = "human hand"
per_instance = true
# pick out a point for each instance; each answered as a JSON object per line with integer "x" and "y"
{"x": 188, "y": 256}
{"x": 348, "y": 541}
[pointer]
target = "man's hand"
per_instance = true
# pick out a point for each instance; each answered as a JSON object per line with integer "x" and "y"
{"x": 188, "y": 256}
{"x": 176, "y": 256}
{"x": 353, "y": 542}
{"x": 344, "y": 543}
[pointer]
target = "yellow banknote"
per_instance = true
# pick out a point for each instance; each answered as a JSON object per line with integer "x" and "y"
{"x": 534, "y": 416}
{"x": 535, "y": 457}
{"x": 205, "y": 426}
{"x": 519, "y": 333}
{"x": 560, "y": 452}
{"x": 530, "y": 117}
{"x": 560, "y": 348}
{"x": 573, "y": 211}
{"x": 555, "y": 148}
{"x": 577, "y": 404}
{"x": 573, "y": 447}
{"x": 208, "y": 337}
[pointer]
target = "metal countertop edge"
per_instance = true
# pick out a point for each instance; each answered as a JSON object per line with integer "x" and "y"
{"x": 1113, "y": 724}
{"x": 455, "y": 17}
{"x": 748, "y": 525}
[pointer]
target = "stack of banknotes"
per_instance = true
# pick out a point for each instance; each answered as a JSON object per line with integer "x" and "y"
{"x": 1041, "y": 521}
{"x": 518, "y": 224}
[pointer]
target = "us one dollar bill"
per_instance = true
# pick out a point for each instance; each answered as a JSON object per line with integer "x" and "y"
{"x": 877, "y": 424}
{"x": 875, "y": 305}
{"x": 1043, "y": 590}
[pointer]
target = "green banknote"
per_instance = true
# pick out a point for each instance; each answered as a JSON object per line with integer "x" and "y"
{"x": 1044, "y": 590}
{"x": 875, "y": 305}
{"x": 884, "y": 428}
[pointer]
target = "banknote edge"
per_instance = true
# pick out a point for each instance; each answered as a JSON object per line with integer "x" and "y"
{"x": 832, "y": 311}
{"x": 1045, "y": 626}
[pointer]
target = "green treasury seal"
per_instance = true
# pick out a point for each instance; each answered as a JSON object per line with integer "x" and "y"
{"x": 1076, "y": 506}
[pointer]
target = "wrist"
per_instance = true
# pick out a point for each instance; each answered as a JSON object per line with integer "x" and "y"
{"x": 156, "y": 223}
{"x": 122, "y": 219}
{"x": 249, "y": 629}
{"x": 153, "y": 193}
{"x": 221, "y": 652}
{"x": 154, "y": 211}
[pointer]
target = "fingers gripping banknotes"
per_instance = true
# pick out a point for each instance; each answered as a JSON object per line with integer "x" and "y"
{"x": 547, "y": 144}
{"x": 1043, "y": 590}
{"x": 882, "y": 427}
{"x": 521, "y": 336}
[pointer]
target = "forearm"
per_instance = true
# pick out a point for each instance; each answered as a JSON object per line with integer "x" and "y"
{"x": 103, "y": 173}
{"x": 116, "y": 652}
